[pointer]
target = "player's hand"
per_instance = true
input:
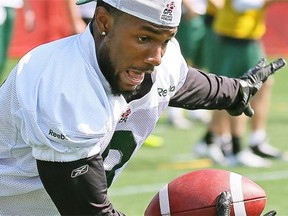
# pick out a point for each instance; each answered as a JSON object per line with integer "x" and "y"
{"x": 251, "y": 82}
{"x": 270, "y": 213}
{"x": 223, "y": 205}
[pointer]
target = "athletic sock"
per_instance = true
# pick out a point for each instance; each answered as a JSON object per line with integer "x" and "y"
{"x": 209, "y": 137}
{"x": 225, "y": 142}
{"x": 257, "y": 137}
{"x": 236, "y": 144}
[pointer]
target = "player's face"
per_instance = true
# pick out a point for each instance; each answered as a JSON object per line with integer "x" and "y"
{"x": 132, "y": 48}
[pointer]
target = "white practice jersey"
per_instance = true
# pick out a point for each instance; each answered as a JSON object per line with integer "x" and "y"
{"x": 57, "y": 106}
{"x": 12, "y": 3}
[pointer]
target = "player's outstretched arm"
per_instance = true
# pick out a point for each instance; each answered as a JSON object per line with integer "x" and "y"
{"x": 250, "y": 84}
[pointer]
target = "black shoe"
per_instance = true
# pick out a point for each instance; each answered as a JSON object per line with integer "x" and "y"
{"x": 267, "y": 151}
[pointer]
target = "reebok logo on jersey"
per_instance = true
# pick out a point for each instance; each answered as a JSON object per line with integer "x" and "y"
{"x": 54, "y": 134}
{"x": 164, "y": 92}
{"x": 79, "y": 171}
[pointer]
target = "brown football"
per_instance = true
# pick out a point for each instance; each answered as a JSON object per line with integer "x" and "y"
{"x": 195, "y": 193}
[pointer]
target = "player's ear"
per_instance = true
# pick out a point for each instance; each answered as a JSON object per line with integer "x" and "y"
{"x": 103, "y": 19}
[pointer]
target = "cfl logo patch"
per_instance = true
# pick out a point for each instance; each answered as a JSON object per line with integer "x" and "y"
{"x": 79, "y": 171}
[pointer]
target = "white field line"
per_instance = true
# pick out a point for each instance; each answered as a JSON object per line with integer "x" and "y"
{"x": 149, "y": 188}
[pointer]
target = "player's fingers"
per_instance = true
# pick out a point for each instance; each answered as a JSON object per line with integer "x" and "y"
{"x": 270, "y": 213}
{"x": 249, "y": 111}
{"x": 260, "y": 64}
{"x": 268, "y": 70}
{"x": 276, "y": 65}
{"x": 223, "y": 206}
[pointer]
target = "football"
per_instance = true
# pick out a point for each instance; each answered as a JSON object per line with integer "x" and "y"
{"x": 195, "y": 193}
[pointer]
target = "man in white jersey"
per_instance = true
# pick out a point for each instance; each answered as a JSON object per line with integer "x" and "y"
{"x": 74, "y": 111}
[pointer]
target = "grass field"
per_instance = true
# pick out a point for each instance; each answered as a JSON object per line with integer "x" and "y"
{"x": 152, "y": 168}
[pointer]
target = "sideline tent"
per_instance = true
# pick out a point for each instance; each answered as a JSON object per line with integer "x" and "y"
{"x": 52, "y": 22}
{"x": 276, "y": 37}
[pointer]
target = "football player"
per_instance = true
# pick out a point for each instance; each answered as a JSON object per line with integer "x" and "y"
{"x": 74, "y": 111}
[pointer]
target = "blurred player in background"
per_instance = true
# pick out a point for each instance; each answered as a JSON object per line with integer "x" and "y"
{"x": 60, "y": 15}
{"x": 191, "y": 36}
{"x": 238, "y": 29}
{"x": 208, "y": 43}
{"x": 7, "y": 17}
{"x": 74, "y": 111}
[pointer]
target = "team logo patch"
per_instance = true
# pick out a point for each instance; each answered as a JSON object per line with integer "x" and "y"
{"x": 125, "y": 115}
{"x": 167, "y": 14}
{"x": 79, "y": 171}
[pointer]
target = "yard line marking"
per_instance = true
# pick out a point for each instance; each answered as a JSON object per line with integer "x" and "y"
{"x": 192, "y": 164}
{"x": 273, "y": 175}
{"x": 149, "y": 188}
{"x": 237, "y": 194}
{"x": 136, "y": 189}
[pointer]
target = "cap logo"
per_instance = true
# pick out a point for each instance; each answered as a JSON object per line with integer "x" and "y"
{"x": 167, "y": 14}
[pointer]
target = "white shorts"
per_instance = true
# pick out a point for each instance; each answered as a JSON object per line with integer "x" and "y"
{"x": 36, "y": 203}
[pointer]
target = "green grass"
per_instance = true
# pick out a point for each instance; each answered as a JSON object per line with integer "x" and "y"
{"x": 152, "y": 168}
{"x": 8, "y": 67}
